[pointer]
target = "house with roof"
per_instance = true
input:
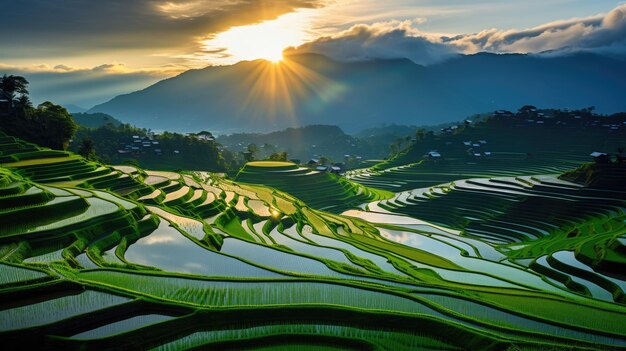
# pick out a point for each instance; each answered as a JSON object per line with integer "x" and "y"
{"x": 600, "y": 157}
{"x": 335, "y": 169}
{"x": 434, "y": 155}
{"x": 313, "y": 162}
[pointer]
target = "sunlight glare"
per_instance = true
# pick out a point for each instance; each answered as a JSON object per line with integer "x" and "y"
{"x": 265, "y": 40}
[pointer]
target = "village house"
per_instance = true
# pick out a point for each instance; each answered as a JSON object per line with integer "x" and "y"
{"x": 434, "y": 155}
{"x": 335, "y": 169}
{"x": 600, "y": 157}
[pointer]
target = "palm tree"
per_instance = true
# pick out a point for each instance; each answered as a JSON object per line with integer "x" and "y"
{"x": 12, "y": 85}
{"x": 24, "y": 101}
{"x": 22, "y": 105}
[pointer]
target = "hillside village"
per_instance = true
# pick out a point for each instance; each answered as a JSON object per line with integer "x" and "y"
{"x": 526, "y": 118}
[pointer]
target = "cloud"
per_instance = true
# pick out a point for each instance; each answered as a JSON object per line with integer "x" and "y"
{"x": 86, "y": 87}
{"x": 402, "y": 39}
{"x": 605, "y": 33}
{"x": 70, "y": 28}
{"x": 386, "y": 40}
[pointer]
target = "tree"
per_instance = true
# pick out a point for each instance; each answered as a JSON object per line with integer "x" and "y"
{"x": 324, "y": 160}
{"x": 527, "y": 110}
{"x": 394, "y": 148}
{"x": 12, "y": 85}
{"x": 23, "y": 106}
{"x": 56, "y": 125}
{"x": 87, "y": 150}
{"x": 420, "y": 133}
{"x": 278, "y": 156}
{"x": 253, "y": 152}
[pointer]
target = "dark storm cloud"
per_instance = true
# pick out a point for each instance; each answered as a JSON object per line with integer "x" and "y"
{"x": 44, "y": 28}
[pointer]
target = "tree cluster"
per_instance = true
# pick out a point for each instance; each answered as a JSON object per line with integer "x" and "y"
{"x": 47, "y": 125}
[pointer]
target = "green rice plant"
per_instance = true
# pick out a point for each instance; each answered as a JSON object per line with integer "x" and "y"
{"x": 383, "y": 339}
{"x": 97, "y": 208}
{"x": 155, "y": 197}
{"x": 168, "y": 249}
{"x": 57, "y": 309}
{"x": 32, "y": 155}
{"x": 53, "y": 256}
{"x": 507, "y": 319}
{"x": 10, "y": 274}
{"x": 190, "y": 226}
{"x": 116, "y": 199}
{"x": 122, "y": 326}
{"x": 318, "y": 189}
{"x": 178, "y": 196}
{"x": 16, "y": 219}
{"x": 259, "y": 293}
{"x": 168, "y": 175}
{"x": 156, "y": 181}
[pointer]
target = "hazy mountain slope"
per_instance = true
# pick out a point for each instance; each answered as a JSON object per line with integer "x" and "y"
{"x": 312, "y": 89}
{"x": 309, "y": 142}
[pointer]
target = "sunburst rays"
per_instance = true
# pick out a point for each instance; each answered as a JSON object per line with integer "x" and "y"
{"x": 285, "y": 89}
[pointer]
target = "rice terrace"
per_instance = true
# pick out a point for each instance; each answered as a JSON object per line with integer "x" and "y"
{"x": 313, "y": 175}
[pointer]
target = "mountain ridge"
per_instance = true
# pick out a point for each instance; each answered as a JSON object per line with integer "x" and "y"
{"x": 313, "y": 89}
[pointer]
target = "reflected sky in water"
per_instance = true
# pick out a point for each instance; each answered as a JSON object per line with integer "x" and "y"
{"x": 168, "y": 249}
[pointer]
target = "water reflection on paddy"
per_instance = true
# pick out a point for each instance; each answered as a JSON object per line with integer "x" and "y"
{"x": 168, "y": 249}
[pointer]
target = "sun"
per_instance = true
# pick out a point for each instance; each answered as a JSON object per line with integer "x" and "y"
{"x": 265, "y": 40}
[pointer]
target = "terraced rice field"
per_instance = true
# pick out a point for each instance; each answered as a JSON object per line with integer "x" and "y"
{"x": 553, "y": 150}
{"x": 319, "y": 189}
{"x": 189, "y": 260}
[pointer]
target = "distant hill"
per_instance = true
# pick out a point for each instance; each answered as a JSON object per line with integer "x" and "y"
{"x": 502, "y": 145}
{"x": 550, "y": 137}
{"x": 71, "y": 108}
{"x": 309, "y": 142}
{"x": 318, "y": 189}
{"x": 313, "y": 89}
{"x": 610, "y": 175}
{"x": 388, "y": 131}
{"x": 95, "y": 120}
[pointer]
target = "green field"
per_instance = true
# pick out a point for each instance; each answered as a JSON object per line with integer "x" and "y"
{"x": 506, "y": 255}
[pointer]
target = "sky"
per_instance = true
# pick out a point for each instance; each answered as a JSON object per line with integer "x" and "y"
{"x": 86, "y": 52}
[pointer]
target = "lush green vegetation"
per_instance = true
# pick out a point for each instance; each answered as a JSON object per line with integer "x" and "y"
{"x": 316, "y": 141}
{"x": 96, "y": 256}
{"x": 48, "y": 124}
{"x": 95, "y": 120}
{"x": 121, "y": 144}
{"x": 319, "y": 189}
{"x": 527, "y": 142}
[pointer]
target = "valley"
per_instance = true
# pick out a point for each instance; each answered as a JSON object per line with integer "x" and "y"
{"x": 499, "y": 254}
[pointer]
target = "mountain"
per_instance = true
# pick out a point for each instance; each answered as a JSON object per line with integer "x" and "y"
{"x": 74, "y": 108}
{"x": 313, "y": 89}
{"x": 94, "y": 120}
{"x": 309, "y": 142}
